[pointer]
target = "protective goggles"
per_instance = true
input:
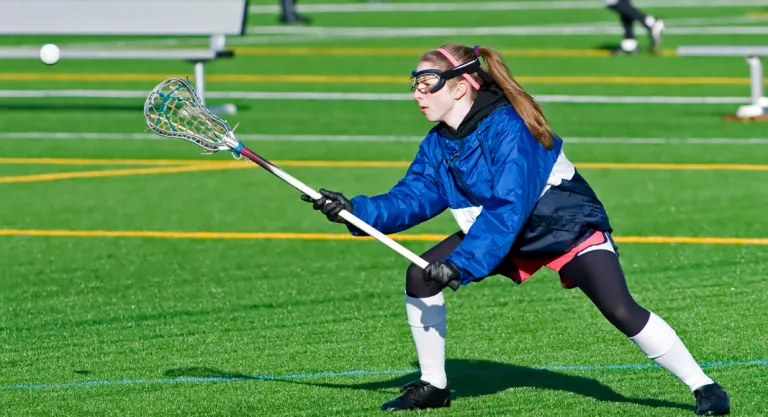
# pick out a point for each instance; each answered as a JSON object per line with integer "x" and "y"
{"x": 432, "y": 80}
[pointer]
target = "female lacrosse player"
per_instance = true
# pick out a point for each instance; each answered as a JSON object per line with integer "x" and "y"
{"x": 493, "y": 160}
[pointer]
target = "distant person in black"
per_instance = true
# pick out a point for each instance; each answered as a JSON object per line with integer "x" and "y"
{"x": 629, "y": 14}
{"x": 288, "y": 14}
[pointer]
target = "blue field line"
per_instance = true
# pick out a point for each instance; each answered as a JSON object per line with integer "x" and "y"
{"x": 85, "y": 384}
{"x": 760, "y": 362}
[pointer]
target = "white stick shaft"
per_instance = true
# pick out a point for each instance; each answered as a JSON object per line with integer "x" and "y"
{"x": 365, "y": 227}
{"x": 351, "y": 218}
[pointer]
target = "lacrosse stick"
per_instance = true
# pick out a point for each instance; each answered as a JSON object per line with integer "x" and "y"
{"x": 174, "y": 110}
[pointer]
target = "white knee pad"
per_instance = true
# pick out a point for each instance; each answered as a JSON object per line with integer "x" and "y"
{"x": 425, "y": 312}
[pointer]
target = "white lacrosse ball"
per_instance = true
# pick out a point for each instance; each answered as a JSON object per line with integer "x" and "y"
{"x": 50, "y": 54}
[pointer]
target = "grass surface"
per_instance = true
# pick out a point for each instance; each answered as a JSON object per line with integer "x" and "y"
{"x": 175, "y": 326}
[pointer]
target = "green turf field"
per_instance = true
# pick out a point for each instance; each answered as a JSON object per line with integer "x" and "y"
{"x": 137, "y": 277}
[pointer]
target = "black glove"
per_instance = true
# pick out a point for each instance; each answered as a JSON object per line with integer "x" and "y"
{"x": 336, "y": 202}
{"x": 444, "y": 273}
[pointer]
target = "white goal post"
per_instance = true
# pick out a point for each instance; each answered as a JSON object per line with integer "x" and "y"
{"x": 754, "y": 56}
{"x": 102, "y": 18}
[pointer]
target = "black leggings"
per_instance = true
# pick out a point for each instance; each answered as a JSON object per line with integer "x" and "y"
{"x": 598, "y": 274}
{"x": 628, "y": 12}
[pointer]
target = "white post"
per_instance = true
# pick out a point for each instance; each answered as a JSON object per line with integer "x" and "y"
{"x": 759, "y": 105}
{"x": 200, "y": 81}
{"x": 756, "y": 75}
{"x": 218, "y": 42}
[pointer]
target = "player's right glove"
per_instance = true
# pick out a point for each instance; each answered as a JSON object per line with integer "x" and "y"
{"x": 336, "y": 202}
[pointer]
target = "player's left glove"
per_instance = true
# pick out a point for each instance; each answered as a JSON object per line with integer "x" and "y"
{"x": 444, "y": 273}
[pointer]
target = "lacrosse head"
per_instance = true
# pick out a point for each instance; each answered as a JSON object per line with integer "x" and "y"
{"x": 174, "y": 110}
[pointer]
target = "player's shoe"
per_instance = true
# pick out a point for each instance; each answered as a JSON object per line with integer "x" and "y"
{"x": 627, "y": 46}
{"x": 419, "y": 395}
{"x": 712, "y": 400}
{"x": 656, "y": 31}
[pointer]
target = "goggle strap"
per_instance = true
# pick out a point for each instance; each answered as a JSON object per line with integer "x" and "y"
{"x": 460, "y": 68}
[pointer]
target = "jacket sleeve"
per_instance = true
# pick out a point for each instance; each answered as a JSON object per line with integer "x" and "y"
{"x": 519, "y": 174}
{"x": 414, "y": 199}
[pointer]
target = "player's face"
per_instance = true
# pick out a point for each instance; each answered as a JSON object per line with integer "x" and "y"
{"x": 434, "y": 105}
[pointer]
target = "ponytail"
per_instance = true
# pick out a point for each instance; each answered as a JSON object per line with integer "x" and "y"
{"x": 528, "y": 109}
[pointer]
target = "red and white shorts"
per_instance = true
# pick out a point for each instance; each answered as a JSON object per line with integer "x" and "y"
{"x": 524, "y": 268}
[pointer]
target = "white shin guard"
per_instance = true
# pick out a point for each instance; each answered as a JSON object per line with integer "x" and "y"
{"x": 427, "y": 316}
{"x": 660, "y": 342}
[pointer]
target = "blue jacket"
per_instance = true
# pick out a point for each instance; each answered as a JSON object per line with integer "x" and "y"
{"x": 491, "y": 180}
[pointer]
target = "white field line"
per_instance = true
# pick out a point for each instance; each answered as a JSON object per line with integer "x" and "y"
{"x": 698, "y": 21}
{"x": 334, "y": 96}
{"x": 676, "y": 22}
{"x": 415, "y": 32}
{"x": 266, "y": 35}
{"x": 491, "y": 6}
{"x": 364, "y": 138}
{"x": 284, "y": 34}
{"x": 184, "y": 42}
{"x": 275, "y": 35}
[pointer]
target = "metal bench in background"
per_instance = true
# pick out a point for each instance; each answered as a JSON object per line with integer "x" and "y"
{"x": 758, "y": 108}
{"x": 102, "y": 18}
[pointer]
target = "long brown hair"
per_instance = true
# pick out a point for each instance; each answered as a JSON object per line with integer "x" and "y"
{"x": 528, "y": 109}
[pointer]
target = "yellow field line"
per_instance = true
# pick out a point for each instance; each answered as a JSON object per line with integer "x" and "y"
{"x": 412, "y": 52}
{"x": 697, "y": 240}
{"x": 681, "y": 167}
{"x": 377, "y": 79}
{"x": 21, "y": 76}
{"x": 631, "y": 80}
{"x": 213, "y": 164}
{"x": 584, "y": 165}
{"x": 112, "y": 173}
{"x": 344, "y": 164}
{"x": 341, "y": 236}
{"x": 90, "y": 161}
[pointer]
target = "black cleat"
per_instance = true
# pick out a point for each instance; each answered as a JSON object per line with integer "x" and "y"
{"x": 712, "y": 400}
{"x": 419, "y": 395}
